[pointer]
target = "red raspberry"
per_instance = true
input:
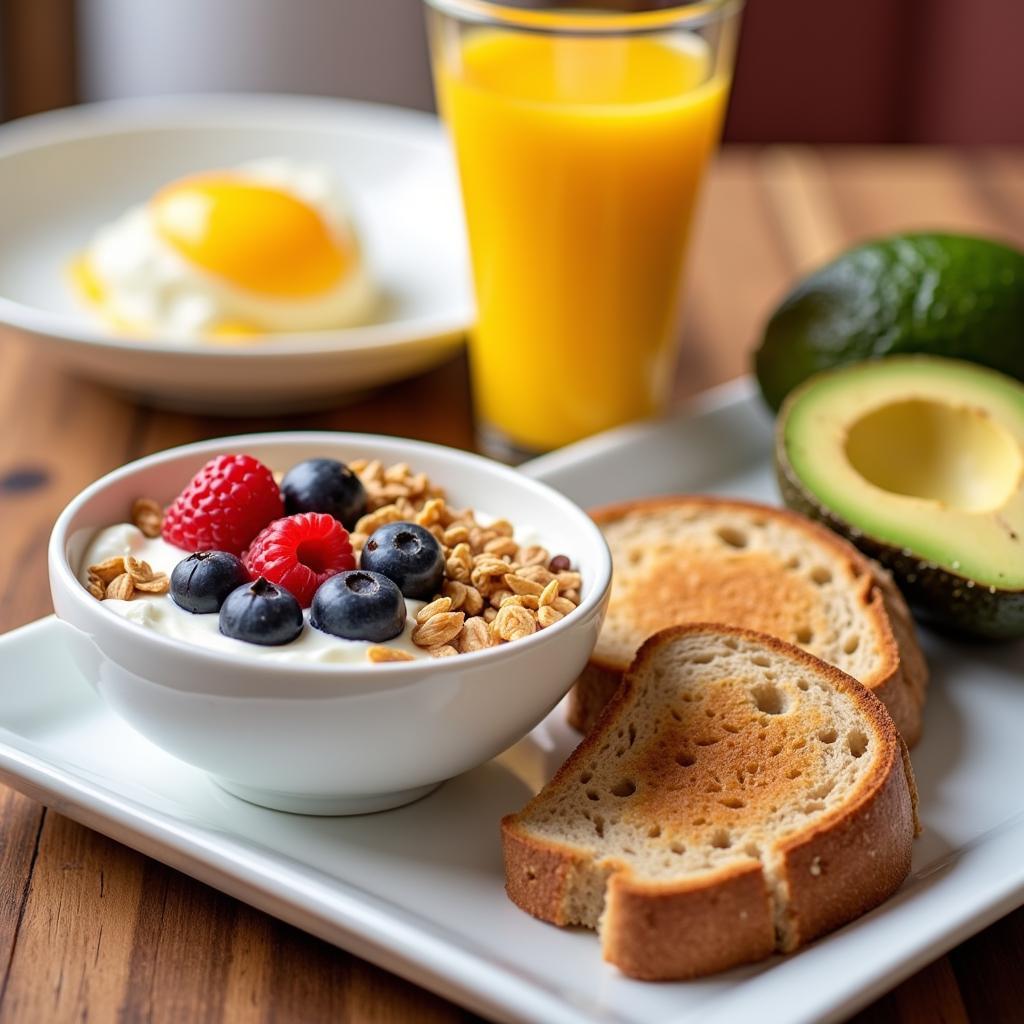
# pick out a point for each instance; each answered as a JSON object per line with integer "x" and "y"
{"x": 299, "y": 552}
{"x": 227, "y": 503}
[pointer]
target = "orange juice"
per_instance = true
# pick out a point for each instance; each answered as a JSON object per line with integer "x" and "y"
{"x": 580, "y": 159}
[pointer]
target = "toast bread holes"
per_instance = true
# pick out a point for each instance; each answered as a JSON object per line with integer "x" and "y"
{"x": 629, "y": 849}
{"x": 822, "y": 790}
{"x": 812, "y": 806}
{"x": 770, "y": 700}
{"x": 713, "y": 787}
{"x": 793, "y": 562}
{"x": 703, "y": 658}
{"x": 803, "y": 634}
{"x": 821, "y": 576}
{"x": 677, "y": 848}
{"x": 731, "y": 643}
{"x": 675, "y": 714}
{"x": 857, "y": 741}
{"x": 531, "y": 875}
{"x": 592, "y": 794}
{"x": 802, "y": 684}
{"x": 685, "y": 760}
{"x": 721, "y": 839}
{"x": 794, "y": 773}
{"x": 760, "y": 660}
{"x": 599, "y": 826}
{"x": 654, "y": 832}
{"x": 799, "y": 743}
{"x": 632, "y": 734}
{"x": 752, "y": 850}
{"x": 732, "y": 537}
{"x": 697, "y": 822}
{"x": 623, "y": 788}
{"x": 585, "y": 778}
{"x": 851, "y": 643}
{"x": 828, "y": 735}
{"x": 729, "y": 727}
{"x": 734, "y": 803}
{"x": 635, "y": 556}
{"x": 707, "y": 741}
{"x": 775, "y": 751}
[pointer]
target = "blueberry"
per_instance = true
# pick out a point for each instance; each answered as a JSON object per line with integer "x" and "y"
{"x": 408, "y": 554}
{"x": 358, "y": 605}
{"x": 324, "y": 485}
{"x": 200, "y": 582}
{"x": 261, "y": 613}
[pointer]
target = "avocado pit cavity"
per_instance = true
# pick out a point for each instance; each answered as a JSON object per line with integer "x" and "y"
{"x": 955, "y": 455}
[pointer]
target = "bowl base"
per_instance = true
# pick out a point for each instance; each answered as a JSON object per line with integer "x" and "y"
{"x": 324, "y": 806}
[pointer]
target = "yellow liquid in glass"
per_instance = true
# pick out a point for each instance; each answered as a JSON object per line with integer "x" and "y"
{"x": 580, "y": 160}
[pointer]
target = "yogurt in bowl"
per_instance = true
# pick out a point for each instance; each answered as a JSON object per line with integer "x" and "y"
{"x": 319, "y": 730}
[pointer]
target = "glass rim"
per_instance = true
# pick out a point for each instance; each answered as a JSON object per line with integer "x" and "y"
{"x": 689, "y": 13}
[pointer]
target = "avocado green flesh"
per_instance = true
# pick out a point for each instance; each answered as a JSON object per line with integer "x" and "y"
{"x": 937, "y": 294}
{"x": 921, "y": 454}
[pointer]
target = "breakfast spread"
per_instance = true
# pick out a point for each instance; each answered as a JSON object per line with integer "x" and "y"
{"x": 738, "y": 797}
{"x": 702, "y": 559}
{"x": 241, "y": 557}
{"x": 920, "y": 462}
{"x": 230, "y": 254}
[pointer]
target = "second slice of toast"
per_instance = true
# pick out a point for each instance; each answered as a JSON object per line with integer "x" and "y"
{"x": 703, "y": 559}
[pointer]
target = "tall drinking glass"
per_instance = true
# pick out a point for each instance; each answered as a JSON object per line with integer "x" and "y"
{"x": 581, "y": 133}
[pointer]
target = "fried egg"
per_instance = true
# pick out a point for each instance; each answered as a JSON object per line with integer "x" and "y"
{"x": 228, "y": 254}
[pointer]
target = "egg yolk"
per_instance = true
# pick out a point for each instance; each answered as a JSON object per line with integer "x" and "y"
{"x": 252, "y": 235}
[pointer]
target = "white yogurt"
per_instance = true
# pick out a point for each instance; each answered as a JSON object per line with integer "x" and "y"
{"x": 160, "y": 614}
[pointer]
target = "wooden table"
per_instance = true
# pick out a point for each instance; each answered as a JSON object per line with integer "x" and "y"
{"x": 89, "y": 928}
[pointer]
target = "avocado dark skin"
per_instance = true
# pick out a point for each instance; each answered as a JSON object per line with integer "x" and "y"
{"x": 940, "y": 294}
{"x": 943, "y": 599}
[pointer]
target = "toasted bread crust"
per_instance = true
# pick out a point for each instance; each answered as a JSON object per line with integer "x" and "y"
{"x": 690, "y": 931}
{"x": 832, "y": 871}
{"x": 901, "y": 681}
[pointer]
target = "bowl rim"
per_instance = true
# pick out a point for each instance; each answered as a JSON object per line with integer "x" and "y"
{"x": 63, "y": 574}
{"x": 185, "y": 112}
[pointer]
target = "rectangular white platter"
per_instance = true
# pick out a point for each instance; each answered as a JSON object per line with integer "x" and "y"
{"x": 419, "y": 890}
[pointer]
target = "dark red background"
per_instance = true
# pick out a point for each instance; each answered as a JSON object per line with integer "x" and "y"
{"x": 880, "y": 71}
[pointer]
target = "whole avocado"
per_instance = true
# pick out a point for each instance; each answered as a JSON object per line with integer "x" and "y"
{"x": 939, "y": 294}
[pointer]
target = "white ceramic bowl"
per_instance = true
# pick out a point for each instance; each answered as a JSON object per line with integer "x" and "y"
{"x": 329, "y": 739}
{"x": 65, "y": 173}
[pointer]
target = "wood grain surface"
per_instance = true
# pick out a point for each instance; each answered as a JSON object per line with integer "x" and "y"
{"x": 91, "y": 930}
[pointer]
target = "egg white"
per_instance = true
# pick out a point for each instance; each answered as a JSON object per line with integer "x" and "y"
{"x": 150, "y": 287}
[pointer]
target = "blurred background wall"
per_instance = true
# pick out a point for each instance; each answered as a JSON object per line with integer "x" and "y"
{"x": 931, "y": 71}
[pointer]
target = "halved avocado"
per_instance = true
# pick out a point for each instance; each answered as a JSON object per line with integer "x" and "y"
{"x": 919, "y": 461}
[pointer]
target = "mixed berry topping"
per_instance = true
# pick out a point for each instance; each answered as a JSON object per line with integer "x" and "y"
{"x": 224, "y": 506}
{"x": 409, "y": 554}
{"x": 261, "y": 613}
{"x": 201, "y": 582}
{"x": 359, "y": 605}
{"x": 324, "y": 485}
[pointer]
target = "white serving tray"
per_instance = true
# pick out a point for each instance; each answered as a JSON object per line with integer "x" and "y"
{"x": 419, "y": 890}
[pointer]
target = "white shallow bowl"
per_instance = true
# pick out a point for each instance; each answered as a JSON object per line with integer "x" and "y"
{"x": 329, "y": 739}
{"x": 65, "y": 173}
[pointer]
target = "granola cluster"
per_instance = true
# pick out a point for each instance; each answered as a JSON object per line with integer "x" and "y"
{"x": 495, "y": 590}
{"x": 118, "y": 579}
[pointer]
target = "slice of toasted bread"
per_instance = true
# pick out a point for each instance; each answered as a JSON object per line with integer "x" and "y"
{"x": 699, "y": 559}
{"x": 737, "y": 797}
